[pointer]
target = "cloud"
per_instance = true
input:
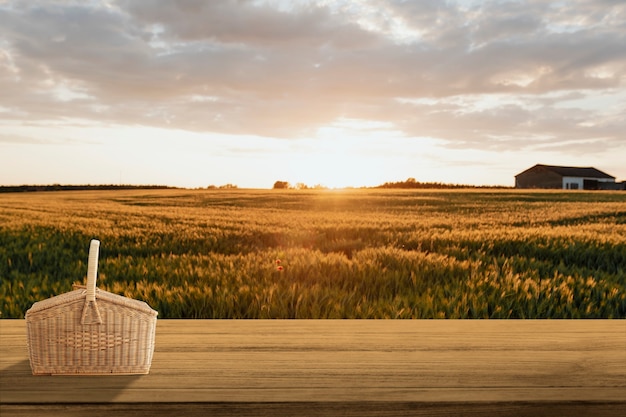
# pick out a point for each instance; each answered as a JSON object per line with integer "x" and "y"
{"x": 21, "y": 140}
{"x": 285, "y": 69}
{"x": 16, "y": 139}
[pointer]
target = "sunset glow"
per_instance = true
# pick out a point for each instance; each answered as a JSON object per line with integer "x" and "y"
{"x": 331, "y": 92}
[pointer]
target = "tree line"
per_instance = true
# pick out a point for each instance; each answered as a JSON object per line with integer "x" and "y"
{"x": 408, "y": 183}
{"x": 60, "y": 187}
{"x": 413, "y": 183}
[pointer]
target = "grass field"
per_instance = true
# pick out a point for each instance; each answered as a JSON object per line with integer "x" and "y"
{"x": 323, "y": 253}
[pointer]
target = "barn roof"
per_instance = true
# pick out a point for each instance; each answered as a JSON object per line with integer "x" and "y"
{"x": 586, "y": 172}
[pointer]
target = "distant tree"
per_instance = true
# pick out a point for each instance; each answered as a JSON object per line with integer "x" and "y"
{"x": 301, "y": 186}
{"x": 281, "y": 185}
{"x": 413, "y": 183}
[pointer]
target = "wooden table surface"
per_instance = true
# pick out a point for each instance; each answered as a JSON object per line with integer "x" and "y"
{"x": 343, "y": 367}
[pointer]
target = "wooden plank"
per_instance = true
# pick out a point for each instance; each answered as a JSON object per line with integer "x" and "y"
{"x": 320, "y": 409}
{"x": 345, "y": 365}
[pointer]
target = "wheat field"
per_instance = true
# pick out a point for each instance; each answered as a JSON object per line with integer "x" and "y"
{"x": 362, "y": 253}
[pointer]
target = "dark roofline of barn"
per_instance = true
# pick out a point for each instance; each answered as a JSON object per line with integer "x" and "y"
{"x": 587, "y": 172}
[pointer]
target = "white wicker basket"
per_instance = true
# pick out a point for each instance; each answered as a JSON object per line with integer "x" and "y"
{"x": 90, "y": 331}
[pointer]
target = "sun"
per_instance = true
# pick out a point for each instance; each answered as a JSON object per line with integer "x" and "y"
{"x": 347, "y": 153}
{"x": 335, "y": 164}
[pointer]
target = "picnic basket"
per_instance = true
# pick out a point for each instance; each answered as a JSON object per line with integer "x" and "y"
{"x": 90, "y": 331}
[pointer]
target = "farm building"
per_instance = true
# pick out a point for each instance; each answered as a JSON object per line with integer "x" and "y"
{"x": 566, "y": 178}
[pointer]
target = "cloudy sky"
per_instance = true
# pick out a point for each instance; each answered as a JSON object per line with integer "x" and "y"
{"x": 332, "y": 92}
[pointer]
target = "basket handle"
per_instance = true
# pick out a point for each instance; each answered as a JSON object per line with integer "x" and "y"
{"x": 91, "y": 314}
{"x": 92, "y": 269}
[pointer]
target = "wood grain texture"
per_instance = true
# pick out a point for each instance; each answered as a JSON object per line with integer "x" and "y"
{"x": 241, "y": 367}
{"x": 315, "y": 409}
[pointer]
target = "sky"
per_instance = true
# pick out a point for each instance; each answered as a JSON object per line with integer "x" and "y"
{"x": 322, "y": 92}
